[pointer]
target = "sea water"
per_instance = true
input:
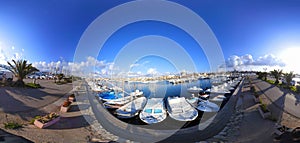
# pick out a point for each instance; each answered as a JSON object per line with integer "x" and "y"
{"x": 163, "y": 89}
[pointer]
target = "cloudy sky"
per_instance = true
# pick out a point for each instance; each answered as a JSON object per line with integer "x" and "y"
{"x": 251, "y": 34}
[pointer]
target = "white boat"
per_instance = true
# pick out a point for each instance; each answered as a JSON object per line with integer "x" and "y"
{"x": 207, "y": 106}
{"x": 228, "y": 86}
{"x": 193, "y": 101}
{"x": 136, "y": 93}
{"x": 132, "y": 108}
{"x": 219, "y": 90}
{"x": 117, "y": 101}
{"x": 179, "y": 109}
{"x": 218, "y": 98}
{"x": 154, "y": 111}
{"x": 194, "y": 89}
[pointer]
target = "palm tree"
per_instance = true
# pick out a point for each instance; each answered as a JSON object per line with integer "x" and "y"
{"x": 20, "y": 69}
{"x": 277, "y": 74}
{"x": 288, "y": 78}
{"x": 60, "y": 77}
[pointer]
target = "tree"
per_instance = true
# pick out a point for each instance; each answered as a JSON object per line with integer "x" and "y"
{"x": 288, "y": 78}
{"x": 262, "y": 75}
{"x": 277, "y": 74}
{"x": 20, "y": 69}
{"x": 60, "y": 77}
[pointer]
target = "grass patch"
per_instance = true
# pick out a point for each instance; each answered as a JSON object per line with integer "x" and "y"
{"x": 12, "y": 125}
{"x": 32, "y": 85}
{"x": 293, "y": 88}
{"x": 270, "y": 81}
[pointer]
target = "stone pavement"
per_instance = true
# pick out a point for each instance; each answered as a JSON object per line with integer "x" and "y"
{"x": 283, "y": 104}
{"x": 22, "y": 104}
{"x": 246, "y": 125}
{"x": 253, "y": 128}
{"x": 28, "y": 99}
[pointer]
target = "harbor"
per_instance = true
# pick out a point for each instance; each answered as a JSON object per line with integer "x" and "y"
{"x": 199, "y": 100}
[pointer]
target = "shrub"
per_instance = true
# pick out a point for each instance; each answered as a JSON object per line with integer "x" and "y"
{"x": 12, "y": 125}
{"x": 47, "y": 118}
{"x": 270, "y": 81}
{"x": 293, "y": 88}
{"x": 33, "y": 119}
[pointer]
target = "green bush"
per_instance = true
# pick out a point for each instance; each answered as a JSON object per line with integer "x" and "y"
{"x": 32, "y": 85}
{"x": 12, "y": 125}
{"x": 270, "y": 81}
{"x": 293, "y": 88}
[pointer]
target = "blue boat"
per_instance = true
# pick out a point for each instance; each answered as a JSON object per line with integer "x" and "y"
{"x": 109, "y": 95}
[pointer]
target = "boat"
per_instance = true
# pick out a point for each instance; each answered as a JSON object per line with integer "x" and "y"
{"x": 154, "y": 111}
{"x": 207, "y": 106}
{"x": 193, "y": 101}
{"x": 114, "y": 100}
{"x": 218, "y": 98}
{"x": 219, "y": 90}
{"x": 110, "y": 95}
{"x": 194, "y": 89}
{"x": 132, "y": 108}
{"x": 179, "y": 109}
{"x": 136, "y": 93}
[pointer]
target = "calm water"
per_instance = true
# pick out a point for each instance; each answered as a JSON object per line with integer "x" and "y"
{"x": 163, "y": 88}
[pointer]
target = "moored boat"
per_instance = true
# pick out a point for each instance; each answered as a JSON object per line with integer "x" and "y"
{"x": 179, "y": 109}
{"x": 132, "y": 108}
{"x": 154, "y": 111}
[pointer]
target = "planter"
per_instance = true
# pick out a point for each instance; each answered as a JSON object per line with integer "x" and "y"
{"x": 41, "y": 125}
{"x": 263, "y": 114}
{"x": 64, "y": 109}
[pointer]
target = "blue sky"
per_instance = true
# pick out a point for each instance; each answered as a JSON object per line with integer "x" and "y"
{"x": 250, "y": 33}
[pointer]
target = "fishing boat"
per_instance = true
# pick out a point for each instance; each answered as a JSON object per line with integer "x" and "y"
{"x": 179, "y": 109}
{"x": 218, "y": 98}
{"x": 207, "y": 106}
{"x": 132, "y": 108}
{"x": 194, "y": 89}
{"x": 136, "y": 93}
{"x": 154, "y": 111}
{"x": 218, "y": 90}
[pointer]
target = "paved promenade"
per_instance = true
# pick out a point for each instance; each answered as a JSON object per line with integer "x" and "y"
{"x": 283, "y": 104}
{"x": 22, "y": 104}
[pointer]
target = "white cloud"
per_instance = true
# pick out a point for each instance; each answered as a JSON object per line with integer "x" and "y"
{"x": 269, "y": 60}
{"x": 246, "y": 62}
{"x": 152, "y": 71}
{"x": 91, "y": 65}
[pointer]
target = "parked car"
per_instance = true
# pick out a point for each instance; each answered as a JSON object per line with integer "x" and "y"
{"x": 33, "y": 76}
{"x": 7, "y": 75}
